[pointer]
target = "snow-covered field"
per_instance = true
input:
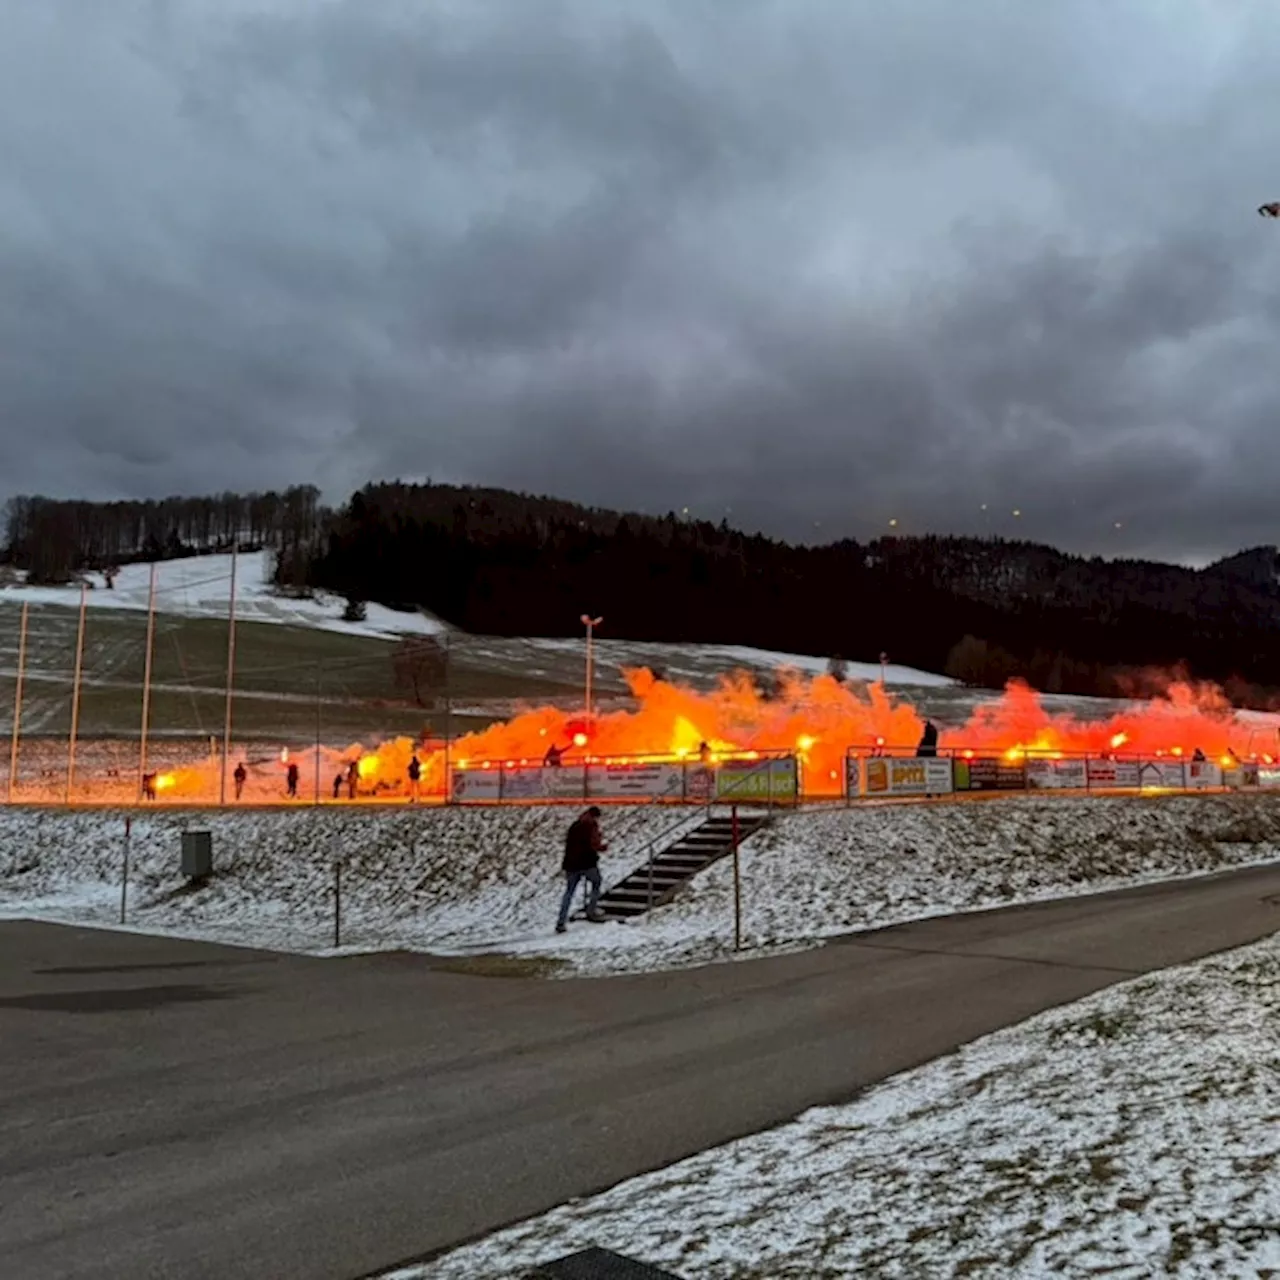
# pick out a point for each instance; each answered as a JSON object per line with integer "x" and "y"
{"x": 479, "y": 881}
{"x": 200, "y": 586}
{"x": 1135, "y": 1133}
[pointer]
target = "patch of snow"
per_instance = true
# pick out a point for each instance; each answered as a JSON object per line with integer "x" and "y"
{"x": 472, "y": 881}
{"x": 1132, "y": 1133}
{"x": 868, "y": 671}
{"x": 200, "y": 586}
{"x": 692, "y": 659}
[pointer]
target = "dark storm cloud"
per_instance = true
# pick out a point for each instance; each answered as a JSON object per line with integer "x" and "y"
{"x": 822, "y": 265}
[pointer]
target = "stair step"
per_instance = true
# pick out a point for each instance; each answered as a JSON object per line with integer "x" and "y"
{"x": 668, "y": 870}
{"x": 640, "y": 889}
{"x": 658, "y": 877}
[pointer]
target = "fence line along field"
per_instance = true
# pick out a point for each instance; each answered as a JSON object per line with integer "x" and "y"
{"x": 318, "y": 691}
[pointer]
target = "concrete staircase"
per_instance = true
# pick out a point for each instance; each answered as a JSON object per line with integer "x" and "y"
{"x": 656, "y": 882}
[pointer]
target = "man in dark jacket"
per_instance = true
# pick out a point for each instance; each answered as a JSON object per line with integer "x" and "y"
{"x": 583, "y": 846}
{"x": 928, "y": 740}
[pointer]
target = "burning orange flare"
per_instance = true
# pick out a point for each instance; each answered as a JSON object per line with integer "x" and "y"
{"x": 817, "y": 718}
{"x": 822, "y": 720}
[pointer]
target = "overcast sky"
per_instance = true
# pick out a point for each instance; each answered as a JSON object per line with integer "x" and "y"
{"x": 819, "y": 265}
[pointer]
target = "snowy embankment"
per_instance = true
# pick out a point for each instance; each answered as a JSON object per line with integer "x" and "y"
{"x": 474, "y": 881}
{"x": 1134, "y": 1133}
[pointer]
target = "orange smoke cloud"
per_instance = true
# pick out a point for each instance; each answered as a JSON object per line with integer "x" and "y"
{"x": 821, "y": 719}
{"x": 817, "y": 718}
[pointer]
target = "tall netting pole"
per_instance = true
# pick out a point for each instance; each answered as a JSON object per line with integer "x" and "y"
{"x": 17, "y": 702}
{"x": 146, "y": 681}
{"x": 319, "y": 670}
{"x": 75, "y": 692}
{"x": 448, "y": 719}
{"x": 231, "y": 669}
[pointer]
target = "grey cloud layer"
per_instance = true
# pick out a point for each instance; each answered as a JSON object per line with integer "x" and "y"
{"x": 825, "y": 264}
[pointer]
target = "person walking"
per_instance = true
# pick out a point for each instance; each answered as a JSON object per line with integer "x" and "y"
{"x": 353, "y": 779}
{"x": 291, "y": 780}
{"x": 583, "y": 845}
{"x": 337, "y": 785}
{"x": 240, "y": 775}
{"x": 415, "y": 777}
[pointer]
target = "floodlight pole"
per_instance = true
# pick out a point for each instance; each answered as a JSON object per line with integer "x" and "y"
{"x": 319, "y": 673}
{"x": 75, "y": 692}
{"x": 146, "y": 680}
{"x": 448, "y": 718}
{"x": 591, "y": 624}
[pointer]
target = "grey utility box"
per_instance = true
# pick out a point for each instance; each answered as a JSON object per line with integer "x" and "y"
{"x": 197, "y": 854}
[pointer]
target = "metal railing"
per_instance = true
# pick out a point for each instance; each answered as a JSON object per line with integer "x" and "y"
{"x": 621, "y": 779}
{"x": 879, "y": 771}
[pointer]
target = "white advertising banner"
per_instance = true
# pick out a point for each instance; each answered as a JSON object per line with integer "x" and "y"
{"x": 539, "y": 782}
{"x": 1061, "y": 774}
{"x": 1176, "y": 774}
{"x": 613, "y": 781}
{"x": 1106, "y": 774}
{"x": 480, "y": 785}
{"x": 914, "y": 776}
{"x": 1201, "y": 773}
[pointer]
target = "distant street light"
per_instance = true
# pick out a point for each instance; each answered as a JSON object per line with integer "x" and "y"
{"x": 591, "y": 624}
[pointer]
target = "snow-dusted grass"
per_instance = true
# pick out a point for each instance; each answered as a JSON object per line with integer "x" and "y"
{"x": 477, "y": 881}
{"x": 449, "y": 880}
{"x": 1135, "y": 1133}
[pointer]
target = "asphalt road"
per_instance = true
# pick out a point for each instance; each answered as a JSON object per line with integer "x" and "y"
{"x": 176, "y": 1109}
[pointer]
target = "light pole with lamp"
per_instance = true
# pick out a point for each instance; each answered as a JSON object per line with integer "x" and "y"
{"x": 591, "y": 624}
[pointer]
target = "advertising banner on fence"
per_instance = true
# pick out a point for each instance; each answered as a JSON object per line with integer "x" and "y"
{"x": 479, "y": 785}
{"x": 775, "y": 779}
{"x": 745, "y": 780}
{"x": 915, "y": 776}
{"x": 1064, "y": 775}
{"x": 617, "y": 781}
{"x": 1114, "y": 774}
{"x": 538, "y": 782}
{"x": 1200, "y": 773}
{"x": 989, "y": 773}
